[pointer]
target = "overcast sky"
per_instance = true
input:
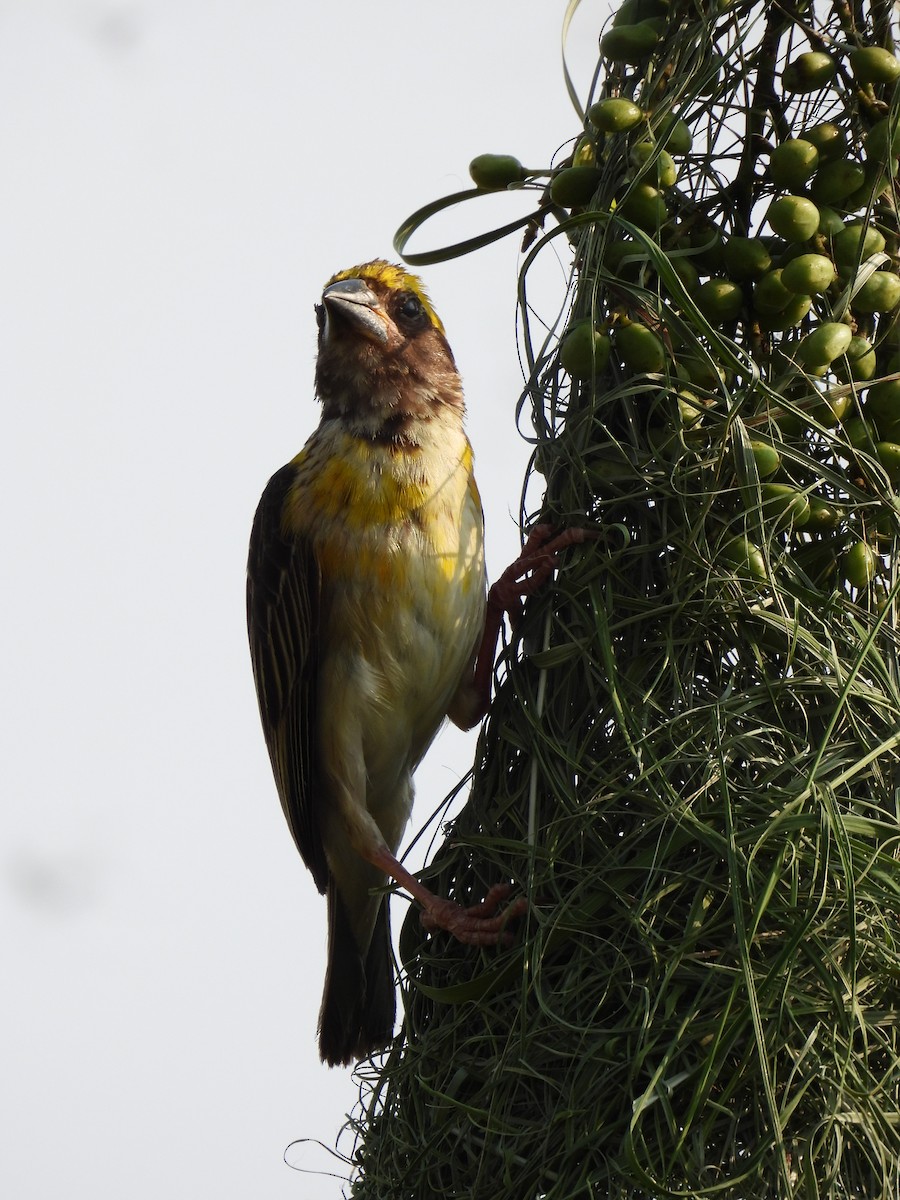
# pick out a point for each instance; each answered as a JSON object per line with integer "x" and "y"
{"x": 178, "y": 178}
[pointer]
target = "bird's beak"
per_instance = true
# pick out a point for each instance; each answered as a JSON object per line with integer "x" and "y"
{"x": 351, "y": 301}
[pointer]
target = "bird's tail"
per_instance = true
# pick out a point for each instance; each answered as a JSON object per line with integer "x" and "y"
{"x": 358, "y": 1004}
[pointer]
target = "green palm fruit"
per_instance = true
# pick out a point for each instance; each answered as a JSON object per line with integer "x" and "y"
{"x": 641, "y": 349}
{"x": 745, "y": 557}
{"x": 872, "y": 64}
{"x": 746, "y": 258}
{"x": 823, "y": 516}
{"x": 880, "y": 293}
{"x": 793, "y": 162}
{"x": 654, "y": 163}
{"x": 789, "y": 316}
{"x": 629, "y": 43}
{"x": 855, "y": 243}
{"x": 889, "y": 457}
{"x": 767, "y": 458}
{"x": 574, "y": 187}
{"x": 674, "y": 134}
{"x": 783, "y": 505}
{"x": 858, "y": 363}
{"x": 883, "y": 139}
{"x": 720, "y": 300}
{"x": 584, "y": 351}
{"x": 809, "y": 72}
{"x": 616, "y": 115}
{"x": 859, "y": 564}
{"x": 829, "y": 139}
{"x": 832, "y": 409}
{"x": 830, "y": 222}
{"x": 630, "y": 12}
{"x": 809, "y": 274}
{"x": 794, "y": 218}
{"x": 836, "y": 180}
{"x": 821, "y": 347}
{"x": 770, "y": 294}
{"x": 496, "y": 171}
{"x": 645, "y": 206}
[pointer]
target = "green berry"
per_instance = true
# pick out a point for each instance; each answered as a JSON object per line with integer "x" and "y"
{"x": 836, "y": 180}
{"x": 584, "y": 351}
{"x": 496, "y": 171}
{"x": 720, "y": 300}
{"x": 641, "y": 349}
{"x": 880, "y": 293}
{"x": 809, "y": 72}
{"x": 873, "y": 64}
{"x": 794, "y": 218}
{"x": 809, "y": 274}
{"x": 793, "y": 162}
{"x": 574, "y": 187}
{"x": 821, "y": 347}
{"x": 674, "y": 134}
{"x": 745, "y": 557}
{"x": 746, "y": 258}
{"x": 658, "y": 164}
{"x": 629, "y": 43}
{"x": 858, "y": 565}
{"x": 616, "y": 115}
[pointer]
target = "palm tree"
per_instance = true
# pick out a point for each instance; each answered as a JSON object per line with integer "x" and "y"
{"x": 690, "y": 766}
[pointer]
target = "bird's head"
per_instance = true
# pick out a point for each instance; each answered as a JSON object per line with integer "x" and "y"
{"x": 383, "y": 357}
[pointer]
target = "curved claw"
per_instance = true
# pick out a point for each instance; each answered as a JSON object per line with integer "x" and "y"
{"x": 480, "y": 924}
{"x": 520, "y": 580}
{"x": 533, "y": 567}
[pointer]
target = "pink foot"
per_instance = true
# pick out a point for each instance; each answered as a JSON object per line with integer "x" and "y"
{"x": 479, "y": 925}
{"x": 532, "y": 569}
{"x": 521, "y": 579}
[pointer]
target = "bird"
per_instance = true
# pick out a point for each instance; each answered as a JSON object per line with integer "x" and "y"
{"x": 370, "y": 622}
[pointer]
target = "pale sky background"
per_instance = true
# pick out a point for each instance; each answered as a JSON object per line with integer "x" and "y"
{"x": 178, "y": 178}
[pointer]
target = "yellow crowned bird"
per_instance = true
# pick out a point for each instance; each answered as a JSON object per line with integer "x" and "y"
{"x": 369, "y": 623}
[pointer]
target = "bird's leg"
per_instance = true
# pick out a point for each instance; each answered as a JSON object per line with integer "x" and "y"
{"x": 480, "y": 925}
{"x": 521, "y": 579}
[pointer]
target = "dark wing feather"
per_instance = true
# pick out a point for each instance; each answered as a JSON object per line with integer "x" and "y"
{"x": 283, "y": 595}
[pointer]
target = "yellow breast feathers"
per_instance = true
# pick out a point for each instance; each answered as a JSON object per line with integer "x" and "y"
{"x": 366, "y": 507}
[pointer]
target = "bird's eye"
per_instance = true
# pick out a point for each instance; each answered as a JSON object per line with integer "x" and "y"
{"x": 320, "y": 316}
{"x": 411, "y": 307}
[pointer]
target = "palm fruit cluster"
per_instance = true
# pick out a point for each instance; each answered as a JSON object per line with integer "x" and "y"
{"x": 739, "y": 172}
